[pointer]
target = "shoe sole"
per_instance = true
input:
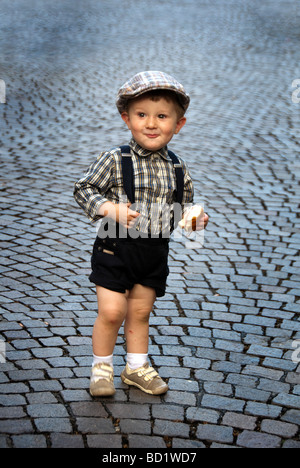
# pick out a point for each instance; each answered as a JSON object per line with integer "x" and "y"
{"x": 150, "y": 392}
{"x": 103, "y": 394}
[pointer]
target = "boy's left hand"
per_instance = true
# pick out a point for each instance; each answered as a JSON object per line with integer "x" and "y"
{"x": 194, "y": 219}
{"x": 202, "y": 222}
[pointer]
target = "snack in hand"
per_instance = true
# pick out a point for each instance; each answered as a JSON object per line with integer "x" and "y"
{"x": 191, "y": 218}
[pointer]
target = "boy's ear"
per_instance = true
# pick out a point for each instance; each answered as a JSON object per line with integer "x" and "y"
{"x": 126, "y": 119}
{"x": 181, "y": 122}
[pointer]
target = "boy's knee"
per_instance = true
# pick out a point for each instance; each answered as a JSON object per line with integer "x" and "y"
{"x": 112, "y": 316}
{"x": 142, "y": 314}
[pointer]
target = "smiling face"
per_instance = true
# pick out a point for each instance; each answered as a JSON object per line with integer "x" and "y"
{"x": 153, "y": 123}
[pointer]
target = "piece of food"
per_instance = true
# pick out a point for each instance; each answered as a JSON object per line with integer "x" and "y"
{"x": 191, "y": 218}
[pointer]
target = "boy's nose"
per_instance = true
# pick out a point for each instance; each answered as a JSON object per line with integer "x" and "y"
{"x": 151, "y": 122}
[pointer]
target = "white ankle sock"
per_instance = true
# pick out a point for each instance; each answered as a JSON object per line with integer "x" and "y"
{"x": 136, "y": 360}
{"x": 106, "y": 359}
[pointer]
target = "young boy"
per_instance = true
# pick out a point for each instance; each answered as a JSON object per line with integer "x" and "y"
{"x": 129, "y": 261}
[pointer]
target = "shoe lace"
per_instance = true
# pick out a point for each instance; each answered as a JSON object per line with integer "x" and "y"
{"x": 148, "y": 373}
{"x": 102, "y": 371}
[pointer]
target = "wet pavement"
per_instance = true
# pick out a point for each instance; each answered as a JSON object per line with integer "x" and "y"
{"x": 227, "y": 334}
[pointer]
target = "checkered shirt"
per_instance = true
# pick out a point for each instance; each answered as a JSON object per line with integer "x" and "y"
{"x": 154, "y": 180}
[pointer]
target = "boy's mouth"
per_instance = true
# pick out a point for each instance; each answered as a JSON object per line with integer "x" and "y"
{"x": 151, "y": 135}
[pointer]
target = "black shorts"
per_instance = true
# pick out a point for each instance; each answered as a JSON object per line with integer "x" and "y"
{"x": 119, "y": 264}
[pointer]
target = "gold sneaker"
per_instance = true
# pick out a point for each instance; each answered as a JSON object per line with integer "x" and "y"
{"x": 145, "y": 378}
{"x": 102, "y": 380}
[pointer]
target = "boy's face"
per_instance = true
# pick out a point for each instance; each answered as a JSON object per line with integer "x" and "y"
{"x": 153, "y": 123}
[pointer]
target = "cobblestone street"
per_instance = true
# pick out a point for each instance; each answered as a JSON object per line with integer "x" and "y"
{"x": 226, "y": 336}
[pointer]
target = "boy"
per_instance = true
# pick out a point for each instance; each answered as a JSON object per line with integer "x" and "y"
{"x": 129, "y": 261}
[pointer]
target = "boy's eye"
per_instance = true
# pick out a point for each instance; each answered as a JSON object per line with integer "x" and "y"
{"x": 141, "y": 114}
{"x": 162, "y": 116}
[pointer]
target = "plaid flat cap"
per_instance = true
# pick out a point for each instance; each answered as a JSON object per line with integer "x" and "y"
{"x": 149, "y": 81}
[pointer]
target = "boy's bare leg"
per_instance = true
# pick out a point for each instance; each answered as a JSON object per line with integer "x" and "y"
{"x": 140, "y": 304}
{"x": 112, "y": 310}
{"x": 141, "y": 374}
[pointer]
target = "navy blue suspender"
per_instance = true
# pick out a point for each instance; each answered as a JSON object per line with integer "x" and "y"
{"x": 128, "y": 175}
{"x": 179, "y": 176}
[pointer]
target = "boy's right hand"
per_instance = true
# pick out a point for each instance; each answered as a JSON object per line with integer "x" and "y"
{"x": 119, "y": 212}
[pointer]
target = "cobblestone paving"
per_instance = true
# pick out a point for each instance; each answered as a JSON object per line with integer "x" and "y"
{"x": 225, "y": 335}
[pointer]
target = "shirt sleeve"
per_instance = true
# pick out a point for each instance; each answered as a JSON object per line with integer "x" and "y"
{"x": 90, "y": 191}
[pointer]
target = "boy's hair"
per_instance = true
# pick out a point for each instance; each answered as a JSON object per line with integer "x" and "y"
{"x": 158, "y": 94}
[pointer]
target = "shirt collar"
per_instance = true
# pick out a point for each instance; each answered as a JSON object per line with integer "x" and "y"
{"x": 163, "y": 152}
